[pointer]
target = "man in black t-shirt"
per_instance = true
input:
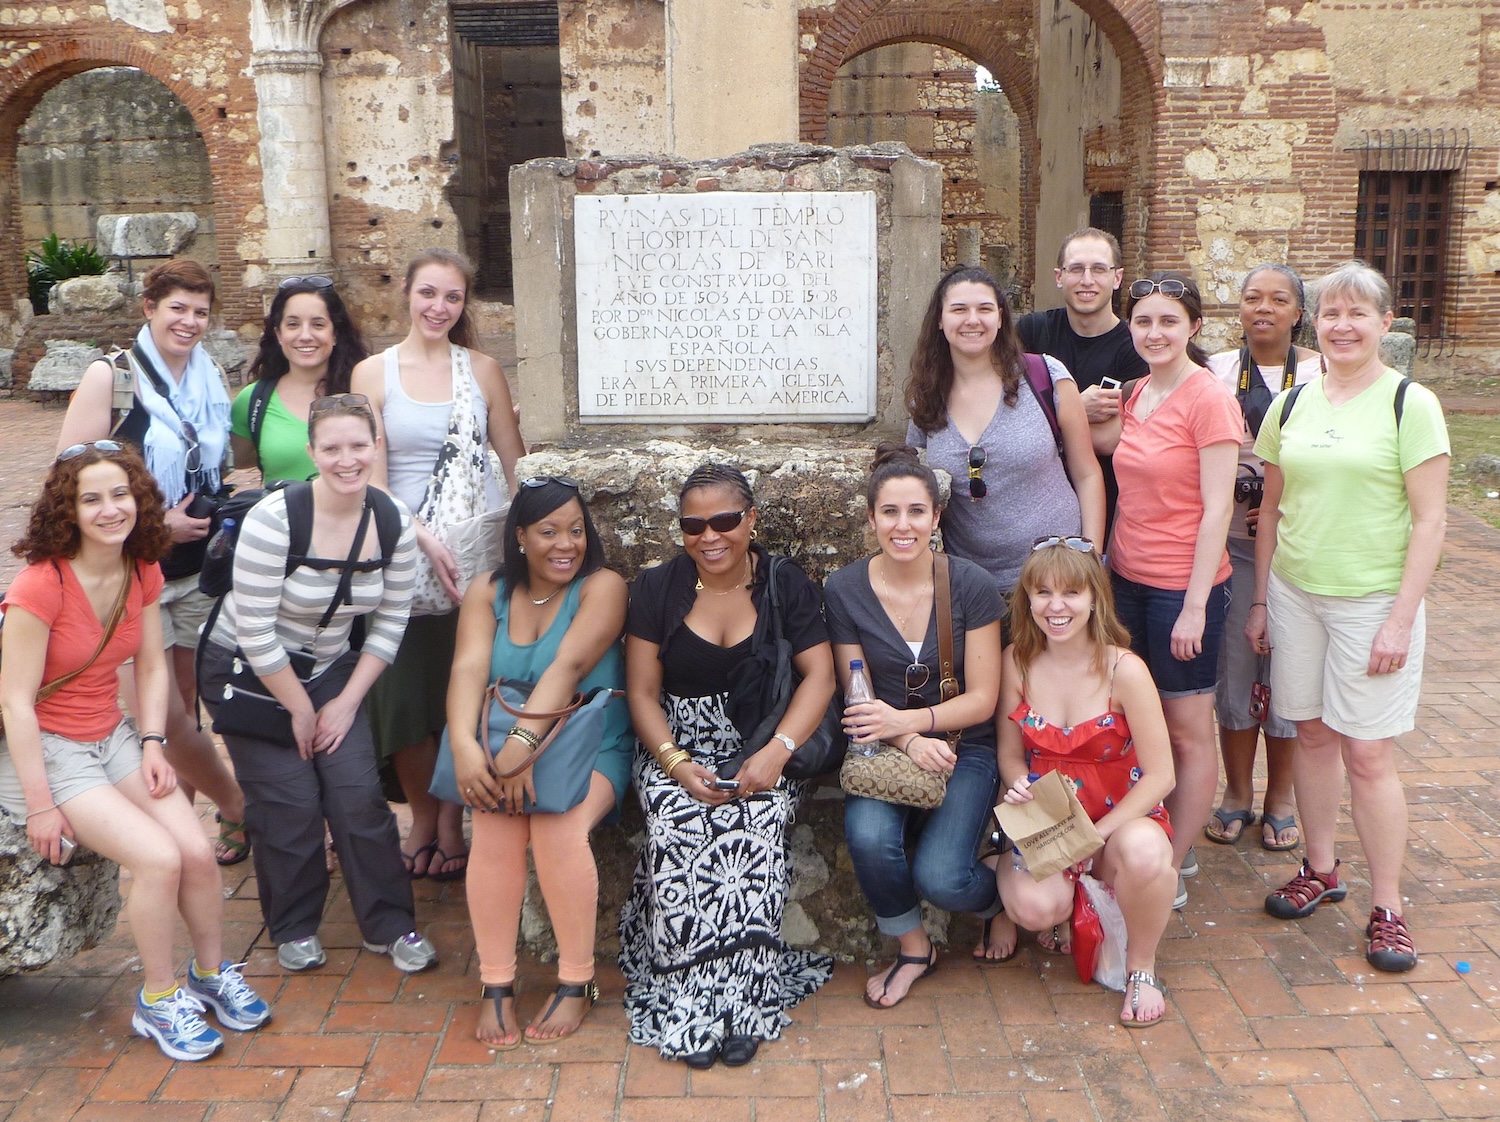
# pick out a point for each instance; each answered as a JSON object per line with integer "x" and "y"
{"x": 1085, "y": 335}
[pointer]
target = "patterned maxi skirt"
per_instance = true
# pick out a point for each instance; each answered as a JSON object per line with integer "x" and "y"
{"x": 700, "y": 935}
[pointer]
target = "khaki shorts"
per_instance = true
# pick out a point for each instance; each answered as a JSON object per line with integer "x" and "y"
{"x": 73, "y": 767}
{"x": 184, "y": 611}
{"x": 1320, "y": 668}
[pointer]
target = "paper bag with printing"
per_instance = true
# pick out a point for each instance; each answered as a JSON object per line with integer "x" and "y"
{"x": 1052, "y": 831}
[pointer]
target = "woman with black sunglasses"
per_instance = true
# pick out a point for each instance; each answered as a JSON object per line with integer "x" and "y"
{"x": 1014, "y": 477}
{"x": 1177, "y": 443}
{"x": 883, "y": 611}
{"x": 707, "y": 976}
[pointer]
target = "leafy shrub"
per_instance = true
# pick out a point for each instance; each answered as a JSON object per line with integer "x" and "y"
{"x": 58, "y": 260}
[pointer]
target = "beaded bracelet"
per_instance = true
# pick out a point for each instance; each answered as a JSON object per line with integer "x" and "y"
{"x": 526, "y": 735}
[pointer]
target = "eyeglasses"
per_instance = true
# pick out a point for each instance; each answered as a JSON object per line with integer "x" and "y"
{"x": 193, "y": 460}
{"x": 1170, "y": 288}
{"x": 722, "y": 522}
{"x": 314, "y": 281}
{"x": 978, "y": 488}
{"x": 1077, "y": 272}
{"x": 542, "y": 480}
{"x": 73, "y": 451}
{"x": 1082, "y": 545}
{"x": 335, "y": 401}
{"x": 917, "y": 675}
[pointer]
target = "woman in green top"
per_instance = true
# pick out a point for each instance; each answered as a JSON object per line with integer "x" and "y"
{"x": 307, "y": 350}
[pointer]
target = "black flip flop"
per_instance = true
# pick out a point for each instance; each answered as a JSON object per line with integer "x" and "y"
{"x": 929, "y": 960}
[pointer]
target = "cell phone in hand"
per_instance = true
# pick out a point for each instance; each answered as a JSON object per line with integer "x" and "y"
{"x": 725, "y": 784}
{"x": 69, "y": 847}
{"x": 1109, "y": 383}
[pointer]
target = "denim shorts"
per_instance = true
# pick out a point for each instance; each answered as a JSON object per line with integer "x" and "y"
{"x": 1149, "y": 614}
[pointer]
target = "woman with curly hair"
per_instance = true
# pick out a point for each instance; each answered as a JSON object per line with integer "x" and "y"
{"x": 1013, "y": 479}
{"x": 308, "y": 349}
{"x": 74, "y": 770}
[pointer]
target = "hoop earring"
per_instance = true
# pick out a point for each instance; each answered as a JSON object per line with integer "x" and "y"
{"x": 523, "y": 552}
{"x": 754, "y": 534}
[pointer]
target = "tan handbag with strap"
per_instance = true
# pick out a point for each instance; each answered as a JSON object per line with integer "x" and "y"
{"x": 891, "y": 775}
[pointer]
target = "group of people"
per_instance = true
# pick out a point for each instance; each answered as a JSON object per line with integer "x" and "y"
{"x": 1129, "y": 532}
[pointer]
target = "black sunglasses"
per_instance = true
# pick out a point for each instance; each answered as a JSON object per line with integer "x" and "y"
{"x": 73, "y": 451}
{"x": 1171, "y": 289}
{"x": 1082, "y": 545}
{"x": 722, "y": 522}
{"x": 917, "y": 675}
{"x": 314, "y": 281}
{"x": 978, "y": 488}
{"x": 542, "y": 480}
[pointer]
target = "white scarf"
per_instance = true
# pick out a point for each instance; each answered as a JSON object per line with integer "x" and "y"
{"x": 200, "y": 397}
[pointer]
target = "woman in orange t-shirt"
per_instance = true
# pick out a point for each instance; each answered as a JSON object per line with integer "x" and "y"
{"x": 1178, "y": 438}
{"x": 71, "y": 765}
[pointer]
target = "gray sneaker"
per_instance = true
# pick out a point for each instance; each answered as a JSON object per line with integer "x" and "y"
{"x": 301, "y": 954}
{"x": 1189, "y": 864}
{"x": 1181, "y": 899}
{"x": 409, "y": 954}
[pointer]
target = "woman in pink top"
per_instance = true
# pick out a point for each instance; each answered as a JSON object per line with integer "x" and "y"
{"x": 1175, "y": 461}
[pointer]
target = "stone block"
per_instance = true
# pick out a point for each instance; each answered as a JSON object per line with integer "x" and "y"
{"x": 7, "y": 367}
{"x": 48, "y": 913}
{"x": 1399, "y": 351}
{"x": 163, "y": 234}
{"x": 229, "y": 351}
{"x": 98, "y": 295}
{"x": 1484, "y": 469}
{"x": 1404, "y": 325}
{"x": 61, "y": 368}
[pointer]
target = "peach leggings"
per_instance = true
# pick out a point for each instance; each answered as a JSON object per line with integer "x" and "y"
{"x": 565, "y": 869}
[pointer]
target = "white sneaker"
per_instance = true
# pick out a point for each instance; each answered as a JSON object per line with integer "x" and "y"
{"x": 409, "y": 954}
{"x": 1181, "y": 900}
{"x": 301, "y": 954}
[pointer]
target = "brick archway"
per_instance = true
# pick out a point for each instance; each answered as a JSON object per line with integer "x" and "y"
{"x": 24, "y": 82}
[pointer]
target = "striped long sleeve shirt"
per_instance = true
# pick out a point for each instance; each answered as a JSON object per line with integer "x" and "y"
{"x": 269, "y": 612}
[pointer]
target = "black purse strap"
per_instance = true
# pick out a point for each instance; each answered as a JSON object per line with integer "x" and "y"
{"x": 344, "y": 593}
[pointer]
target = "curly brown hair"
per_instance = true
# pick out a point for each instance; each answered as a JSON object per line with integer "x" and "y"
{"x": 931, "y": 377}
{"x": 53, "y": 528}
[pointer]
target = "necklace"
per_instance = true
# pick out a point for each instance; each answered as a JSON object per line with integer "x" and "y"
{"x": 890, "y": 600}
{"x": 749, "y": 571}
{"x": 546, "y": 599}
{"x": 1151, "y": 397}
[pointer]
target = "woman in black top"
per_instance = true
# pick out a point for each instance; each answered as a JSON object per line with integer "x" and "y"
{"x": 707, "y": 974}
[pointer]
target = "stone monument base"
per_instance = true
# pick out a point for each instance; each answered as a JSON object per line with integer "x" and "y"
{"x": 48, "y": 913}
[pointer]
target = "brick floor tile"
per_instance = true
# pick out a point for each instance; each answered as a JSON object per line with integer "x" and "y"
{"x": 211, "y": 1081}
{"x": 802, "y": 1043}
{"x": 917, "y": 1009}
{"x": 914, "y": 1061}
{"x": 761, "y": 1080}
{"x": 1466, "y": 1098}
{"x": 528, "y": 1110}
{"x": 370, "y": 1017}
{"x": 397, "y": 1068}
{"x": 685, "y": 1110}
{"x": 141, "y": 1112}
{"x": 589, "y": 1045}
{"x": 1096, "y": 1005}
{"x": 1462, "y": 1014}
{"x": 303, "y": 1004}
{"x": 1016, "y": 1073}
{"x": 1214, "y": 1020}
{"x": 1021, "y": 997}
{"x": 1426, "y": 1049}
{"x": 1121, "y": 1089}
{"x": 1171, "y": 1055}
{"x": 1347, "y": 999}
{"x": 1332, "y": 1100}
{"x": 1320, "y": 1032}
{"x": 1059, "y": 1106}
{"x": 373, "y": 978}
{"x": 54, "y": 1095}
{"x": 1231, "y": 1104}
{"x": 430, "y": 1112}
{"x": 321, "y": 1092}
{"x": 1389, "y": 1088}
{"x": 14, "y": 1082}
{"x": 464, "y": 1084}
{"x": 993, "y": 1107}
{"x": 978, "y": 1039}
{"x": 1429, "y": 968}
{"x": 1258, "y": 988}
{"x": 1280, "y": 1067}
{"x": 788, "y": 1110}
{"x": 134, "y": 1076}
{"x": 308, "y": 1050}
{"x": 650, "y": 1075}
{"x": 854, "y": 1091}
{"x": 1099, "y": 1038}
{"x": 1297, "y": 957}
{"x": 588, "y": 1092}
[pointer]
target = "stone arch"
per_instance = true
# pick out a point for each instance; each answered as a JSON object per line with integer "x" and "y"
{"x": 24, "y": 82}
{"x": 853, "y": 26}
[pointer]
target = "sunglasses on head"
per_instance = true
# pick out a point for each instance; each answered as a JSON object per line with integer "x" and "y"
{"x": 1082, "y": 545}
{"x": 542, "y": 480}
{"x": 978, "y": 488}
{"x": 314, "y": 281}
{"x": 109, "y": 447}
{"x": 721, "y": 523}
{"x": 338, "y": 401}
{"x": 917, "y": 676}
{"x": 1171, "y": 289}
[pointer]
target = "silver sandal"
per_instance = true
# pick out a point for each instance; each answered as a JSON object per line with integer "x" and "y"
{"x": 1133, "y": 983}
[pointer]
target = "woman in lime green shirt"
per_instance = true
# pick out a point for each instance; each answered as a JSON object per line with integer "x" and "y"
{"x": 307, "y": 350}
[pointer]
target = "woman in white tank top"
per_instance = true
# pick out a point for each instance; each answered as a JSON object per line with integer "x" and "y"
{"x": 412, "y": 388}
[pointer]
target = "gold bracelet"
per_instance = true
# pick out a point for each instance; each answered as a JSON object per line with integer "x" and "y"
{"x": 526, "y": 735}
{"x": 672, "y": 760}
{"x": 663, "y": 749}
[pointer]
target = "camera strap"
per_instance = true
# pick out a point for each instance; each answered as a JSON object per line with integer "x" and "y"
{"x": 1253, "y": 393}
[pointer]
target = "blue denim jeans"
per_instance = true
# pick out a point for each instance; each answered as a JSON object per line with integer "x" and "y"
{"x": 942, "y": 868}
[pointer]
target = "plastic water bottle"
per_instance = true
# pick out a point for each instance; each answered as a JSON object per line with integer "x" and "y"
{"x": 859, "y": 690}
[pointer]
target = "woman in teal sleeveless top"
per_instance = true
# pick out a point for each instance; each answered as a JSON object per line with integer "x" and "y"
{"x": 551, "y": 615}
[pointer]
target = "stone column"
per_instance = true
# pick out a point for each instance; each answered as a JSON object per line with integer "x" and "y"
{"x": 288, "y": 71}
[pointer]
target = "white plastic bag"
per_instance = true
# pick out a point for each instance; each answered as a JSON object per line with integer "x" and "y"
{"x": 1109, "y": 971}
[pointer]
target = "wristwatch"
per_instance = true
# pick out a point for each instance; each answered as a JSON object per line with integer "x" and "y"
{"x": 791, "y": 745}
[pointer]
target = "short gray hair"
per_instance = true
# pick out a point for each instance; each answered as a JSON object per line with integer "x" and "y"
{"x": 1354, "y": 279}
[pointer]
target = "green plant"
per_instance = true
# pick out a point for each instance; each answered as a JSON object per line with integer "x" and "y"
{"x": 58, "y": 260}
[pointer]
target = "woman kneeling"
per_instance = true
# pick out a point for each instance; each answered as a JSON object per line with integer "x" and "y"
{"x": 1104, "y": 730}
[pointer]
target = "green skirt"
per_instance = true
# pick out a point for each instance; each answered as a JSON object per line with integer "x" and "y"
{"x": 410, "y": 700}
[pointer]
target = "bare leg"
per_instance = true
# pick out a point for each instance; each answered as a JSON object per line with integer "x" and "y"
{"x": 1379, "y": 808}
{"x": 1238, "y": 749}
{"x": 1036, "y": 907}
{"x": 1318, "y": 776}
{"x": 414, "y": 765}
{"x": 1137, "y": 863}
{"x": 1190, "y": 726}
{"x": 1279, "y": 800}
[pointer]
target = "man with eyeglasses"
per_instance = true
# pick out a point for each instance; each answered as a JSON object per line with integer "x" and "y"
{"x": 1085, "y": 335}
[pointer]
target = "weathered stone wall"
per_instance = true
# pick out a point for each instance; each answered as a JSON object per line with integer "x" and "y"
{"x": 48, "y": 913}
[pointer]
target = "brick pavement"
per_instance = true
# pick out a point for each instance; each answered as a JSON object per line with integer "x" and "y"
{"x": 1266, "y": 1020}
